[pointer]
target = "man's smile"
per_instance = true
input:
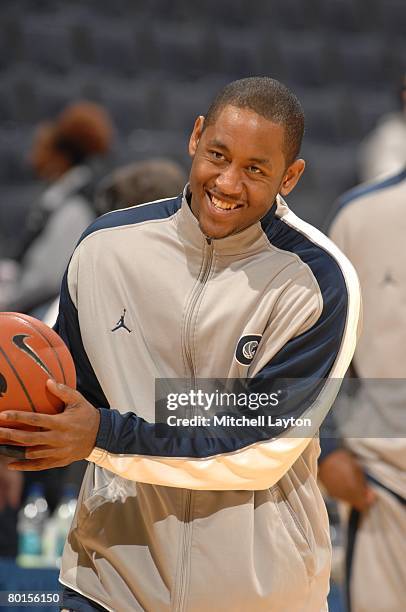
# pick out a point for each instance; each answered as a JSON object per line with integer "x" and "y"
{"x": 221, "y": 205}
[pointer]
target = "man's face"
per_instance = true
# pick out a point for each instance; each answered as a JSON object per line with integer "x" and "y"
{"x": 238, "y": 168}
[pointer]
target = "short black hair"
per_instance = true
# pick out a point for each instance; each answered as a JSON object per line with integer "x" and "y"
{"x": 270, "y": 99}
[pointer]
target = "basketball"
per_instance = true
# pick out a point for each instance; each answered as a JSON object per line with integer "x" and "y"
{"x": 30, "y": 354}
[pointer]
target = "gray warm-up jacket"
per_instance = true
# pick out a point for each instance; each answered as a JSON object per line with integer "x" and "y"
{"x": 228, "y": 523}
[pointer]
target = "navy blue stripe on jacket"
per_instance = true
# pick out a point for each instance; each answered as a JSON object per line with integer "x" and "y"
{"x": 136, "y": 214}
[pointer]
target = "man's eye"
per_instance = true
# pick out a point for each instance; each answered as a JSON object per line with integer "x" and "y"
{"x": 217, "y": 155}
{"x": 254, "y": 170}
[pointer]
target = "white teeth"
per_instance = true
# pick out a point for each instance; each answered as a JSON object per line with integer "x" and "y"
{"x": 223, "y": 205}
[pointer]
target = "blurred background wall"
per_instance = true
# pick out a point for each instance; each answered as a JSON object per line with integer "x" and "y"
{"x": 155, "y": 65}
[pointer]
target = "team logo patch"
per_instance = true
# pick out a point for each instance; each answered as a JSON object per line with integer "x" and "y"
{"x": 246, "y": 348}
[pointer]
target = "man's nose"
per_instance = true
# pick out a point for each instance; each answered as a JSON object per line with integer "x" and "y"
{"x": 229, "y": 181}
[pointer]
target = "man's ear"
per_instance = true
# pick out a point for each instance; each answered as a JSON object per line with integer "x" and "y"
{"x": 292, "y": 176}
{"x": 195, "y": 136}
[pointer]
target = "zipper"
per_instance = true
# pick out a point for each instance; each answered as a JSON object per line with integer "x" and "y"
{"x": 197, "y": 291}
{"x": 182, "y": 587}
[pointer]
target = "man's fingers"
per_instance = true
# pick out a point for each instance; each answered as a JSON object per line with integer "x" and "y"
{"x": 41, "y": 452}
{"x": 20, "y": 436}
{"x": 65, "y": 393}
{"x": 36, "y": 419}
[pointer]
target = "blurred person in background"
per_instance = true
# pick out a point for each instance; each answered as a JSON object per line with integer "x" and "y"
{"x": 363, "y": 462}
{"x": 140, "y": 182}
{"x": 383, "y": 151}
{"x": 66, "y": 154}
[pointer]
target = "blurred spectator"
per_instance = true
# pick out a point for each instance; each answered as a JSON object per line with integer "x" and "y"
{"x": 140, "y": 182}
{"x": 383, "y": 152}
{"x": 363, "y": 460}
{"x": 64, "y": 153}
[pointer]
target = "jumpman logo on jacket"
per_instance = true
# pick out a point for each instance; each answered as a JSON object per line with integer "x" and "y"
{"x": 120, "y": 323}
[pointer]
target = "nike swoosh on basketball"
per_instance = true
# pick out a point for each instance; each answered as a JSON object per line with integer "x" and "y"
{"x": 19, "y": 341}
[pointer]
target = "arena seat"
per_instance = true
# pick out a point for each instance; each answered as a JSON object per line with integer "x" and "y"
{"x": 212, "y": 12}
{"x": 304, "y": 58}
{"x": 391, "y": 16}
{"x": 53, "y": 93}
{"x": 14, "y": 167}
{"x": 182, "y": 51}
{"x": 10, "y": 40}
{"x": 323, "y": 115}
{"x": 361, "y": 60}
{"x": 293, "y": 14}
{"x": 46, "y": 44}
{"x": 6, "y": 102}
{"x": 332, "y": 170}
{"x": 371, "y": 105}
{"x": 22, "y": 95}
{"x": 238, "y": 54}
{"x": 183, "y": 102}
{"x": 113, "y": 50}
{"x": 143, "y": 144}
{"x": 342, "y": 15}
{"x": 134, "y": 105}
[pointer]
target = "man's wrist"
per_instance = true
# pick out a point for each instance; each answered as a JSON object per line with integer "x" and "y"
{"x": 104, "y": 429}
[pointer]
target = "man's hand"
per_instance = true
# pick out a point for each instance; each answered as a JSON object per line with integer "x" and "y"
{"x": 344, "y": 479}
{"x": 63, "y": 439}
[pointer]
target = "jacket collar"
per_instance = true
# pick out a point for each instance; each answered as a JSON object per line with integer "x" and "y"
{"x": 249, "y": 240}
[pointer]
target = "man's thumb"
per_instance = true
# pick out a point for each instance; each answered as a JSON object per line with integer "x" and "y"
{"x": 65, "y": 393}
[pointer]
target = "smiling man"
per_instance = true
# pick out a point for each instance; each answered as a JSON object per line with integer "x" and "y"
{"x": 222, "y": 282}
{"x": 243, "y": 156}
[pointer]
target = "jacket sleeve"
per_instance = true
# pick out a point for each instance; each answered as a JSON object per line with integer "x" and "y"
{"x": 313, "y": 359}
